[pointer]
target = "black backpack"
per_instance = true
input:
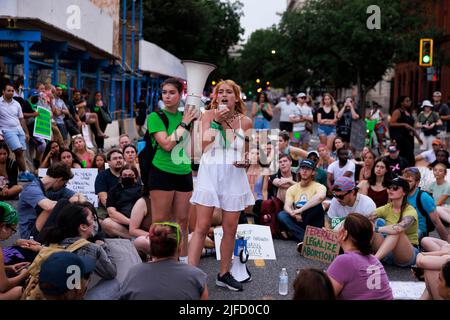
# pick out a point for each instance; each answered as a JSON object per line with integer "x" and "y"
{"x": 430, "y": 224}
{"x": 148, "y": 152}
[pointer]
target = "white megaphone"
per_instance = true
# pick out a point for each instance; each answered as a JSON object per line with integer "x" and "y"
{"x": 197, "y": 73}
{"x": 239, "y": 268}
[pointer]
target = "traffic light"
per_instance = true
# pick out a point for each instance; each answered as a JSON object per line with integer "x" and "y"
{"x": 426, "y": 53}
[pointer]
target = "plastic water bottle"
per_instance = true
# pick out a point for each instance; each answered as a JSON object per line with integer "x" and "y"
{"x": 283, "y": 283}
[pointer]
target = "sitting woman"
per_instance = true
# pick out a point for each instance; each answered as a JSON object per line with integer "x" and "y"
{"x": 10, "y": 276}
{"x": 121, "y": 199}
{"x": 9, "y": 189}
{"x": 99, "y": 162}
{"x": 313, "y": 284}
{"x": 350, "y": 272}
{"x": 376, "y": 186}
{"x": 296, "y": 154}
{"x": 338, "y": 143}
{"x": 397, "y": 241}
{"x": 367, "y": 168}
{"x": 325, "y": 158}
{"x": 130, "y": 156}
{"x": 173, "y": 280}
{"x": 74, "y": 223}
{"x": 80, "y": 149}
{"x": 440, "y": 189}
{"x": 51, "y": 154}
{"x": 436, "y": 273}
{"x": 69, "y": 158}
{"x": 140, "y": 222}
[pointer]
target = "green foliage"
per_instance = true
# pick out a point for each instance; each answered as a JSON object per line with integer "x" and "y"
{"x": 200, "y": 30}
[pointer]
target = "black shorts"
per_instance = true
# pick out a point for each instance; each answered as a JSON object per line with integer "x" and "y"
{"x": 286, "y": 126}
{"x": 161, "y": 180}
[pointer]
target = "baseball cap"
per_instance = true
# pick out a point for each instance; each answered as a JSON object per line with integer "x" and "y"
{"x": 301, "y": 95}
{"x": 313, "y": 153}
{"x": 437, "y": 93}
{"x": 55, "y": 273}
{"x": 437, "y": 141}
{"x": 34, "y": 93}
{"x": 392, "y": 149}
{"x": 426, "y": 103}
{"x": 399, "y": 181}
{"x": 344, "y": 184}
{"x": 307, "y": 164}
{"x": 10, "y": 216}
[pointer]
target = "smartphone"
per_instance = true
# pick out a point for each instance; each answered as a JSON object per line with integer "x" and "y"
{"x": 222, "y": 107}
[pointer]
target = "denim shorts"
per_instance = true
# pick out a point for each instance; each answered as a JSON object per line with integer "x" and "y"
{"x": 15, "y": 139}
{"x": 389, "y": 259}
{"x": 261, "y": 123}
{"x": 325, "y": 130}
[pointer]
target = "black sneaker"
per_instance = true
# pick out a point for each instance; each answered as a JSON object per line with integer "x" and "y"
{"x": 227, "y": 280}
{"x": 299, "y": 247}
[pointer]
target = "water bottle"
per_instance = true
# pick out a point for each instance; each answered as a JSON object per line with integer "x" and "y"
{"x": 284, "y": 283}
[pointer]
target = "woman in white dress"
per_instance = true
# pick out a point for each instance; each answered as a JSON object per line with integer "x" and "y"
{"x": 222, "y": 181}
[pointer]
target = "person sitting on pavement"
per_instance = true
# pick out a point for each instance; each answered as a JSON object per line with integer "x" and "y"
{"x": 425, "y": 206}
{"x": 396, "y": 163}
{"x": 130, "y": 156}
{"x": 442, "y": 156}
{"x": 119, "y": 204}
{"x": 346, "y": 200}
{"x": 376, "y": 186}
{"x": 80, "y": 149}
{"x": 339, "y": 143}
{"x": 429, "y": 156}
{"x": 99, "y": 162}
{"x": 397, "y": 241}
{"x": 325, "y": 157}
{"x": 281, "y": 181}
{"x": 107, "y": 179}
{"x": 351, "y": 272}
{"x": 295, "y": 153}
{"x": 124, "y": 140}
{"x": 303, "y": 205}
{"x": 51, "y": 154}
{"x": 171, "y": 279}
{"x": 69, "y": 158}
{"x": 365, "y": 171}
{"x": 9, "y": 189}
{"x": 343, "y": 167}
{"x": 10, "y": 276}
{"x": 435, "y": 271}
{"x": 55, "y": 274}
{"x": 39, "y": 197}
{"x": 321, "y": 174}
{"x": 313, "y": 284}
{"x": 140, "y": 222}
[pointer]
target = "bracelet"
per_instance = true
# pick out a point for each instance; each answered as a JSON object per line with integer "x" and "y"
{"x": 376, "y": 229}
{"x": 175, "y": 134}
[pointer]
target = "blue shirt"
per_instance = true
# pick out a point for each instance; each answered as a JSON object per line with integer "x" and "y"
{"x": 427, "y": 204}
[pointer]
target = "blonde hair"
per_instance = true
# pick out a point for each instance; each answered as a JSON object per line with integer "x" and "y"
{"x": 333, "y": 102}
{"x": 79, "y": 137}
{"x": 240, "y": 104}
{"x": 443, "y": 166}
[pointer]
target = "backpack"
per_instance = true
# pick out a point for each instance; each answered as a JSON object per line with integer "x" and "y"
{"x": 430, "y": 224}
{"x": 148, "y": 152}
{"x": 268, "y": 215}
{"x": 32, "y": 291}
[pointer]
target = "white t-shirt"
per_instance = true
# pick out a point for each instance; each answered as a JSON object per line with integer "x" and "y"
{"x": 339, "y": 172}
{"x": 430, "y": 156}
{"x": 286, "y": 110}
{"x": 305, "y": 111}
{"x": 363, "y": 205}
{"x": 10, "y": 113}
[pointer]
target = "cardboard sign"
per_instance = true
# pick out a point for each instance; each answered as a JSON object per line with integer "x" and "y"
{"x": 259, "y": 241}
{"x": 83, "y": 182}
{"x": 320, "y": 244}
{"x": 43, "y": 124}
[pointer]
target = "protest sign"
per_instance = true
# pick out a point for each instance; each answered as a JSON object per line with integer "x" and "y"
{"x": 320, "y": 244}
{"x": 83, "y": 181}
{"x": 87, "y": 136}
{"x": 259, "y": 241}
{"x": 43, "y": 124}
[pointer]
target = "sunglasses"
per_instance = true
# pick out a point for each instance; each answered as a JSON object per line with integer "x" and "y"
{"x": 340, "y": 196}
{"x": 173, "y": 225}
{"x": 393, "y": 187}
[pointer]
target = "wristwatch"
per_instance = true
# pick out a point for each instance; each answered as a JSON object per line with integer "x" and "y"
{"x": 376, "y": 229}
{"x": 184, "y": 125}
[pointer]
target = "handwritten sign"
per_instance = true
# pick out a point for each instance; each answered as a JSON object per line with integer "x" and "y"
{"x": 43, "y": 124}
{"x": 320, "y": 244}
{"x": 259, "y": 241}
{"x": 83, "y": 181}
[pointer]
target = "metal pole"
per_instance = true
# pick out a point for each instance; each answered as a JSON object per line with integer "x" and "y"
{"x": 112, "y": 102}
{"x": 133, "y": 18}
{"x": 141, "y": 19}
{"x": 138, "y": 89}
{"x": 26, "y": 66}
{"x": 124, "y": 51}
{"x": 98, "y": 84}
{"x": 55, "y": 67}
{"x": 79, "y": 74}
{"x": 147, "y": 94}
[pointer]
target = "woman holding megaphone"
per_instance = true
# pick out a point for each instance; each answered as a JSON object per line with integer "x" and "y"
{"x": 222, "y": 181}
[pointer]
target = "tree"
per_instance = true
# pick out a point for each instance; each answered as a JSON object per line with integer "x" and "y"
{"x": 200, "y": 30}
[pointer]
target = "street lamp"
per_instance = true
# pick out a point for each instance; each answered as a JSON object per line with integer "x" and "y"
{"x": 274, "y": 51}
{"x": 258, "y": 80}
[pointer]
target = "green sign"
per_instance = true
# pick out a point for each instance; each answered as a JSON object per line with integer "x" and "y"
{"x": 43, "y": 124}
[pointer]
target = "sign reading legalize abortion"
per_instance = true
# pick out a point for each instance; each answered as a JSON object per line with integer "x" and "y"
{"x": 320, "y": 244}
{"x": 43, "y": 124}
{"x": 83, "y": 181}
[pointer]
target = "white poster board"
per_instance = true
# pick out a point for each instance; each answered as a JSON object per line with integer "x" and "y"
{"x": 83, "y": 181}
{"x": 407, "y": 290}
{"x": 259, "y": 241}
{"x": 87, "y": 136}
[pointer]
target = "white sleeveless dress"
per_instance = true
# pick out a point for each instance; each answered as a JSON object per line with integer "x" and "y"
{"x": 219, "y": 183}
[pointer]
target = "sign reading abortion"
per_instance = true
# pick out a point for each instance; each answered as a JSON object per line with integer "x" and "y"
{"x": 320, "y": 244}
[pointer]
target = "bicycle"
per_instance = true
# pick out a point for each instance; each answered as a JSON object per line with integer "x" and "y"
{"x": 370, "y": 133}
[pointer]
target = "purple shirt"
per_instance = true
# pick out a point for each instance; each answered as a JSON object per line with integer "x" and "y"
{"x": 362, "y": 277}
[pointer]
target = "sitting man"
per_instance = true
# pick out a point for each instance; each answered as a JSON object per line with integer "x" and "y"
{"x": 346, "y": 199}
{"x": 424, "y": 205}
{"x": 321, "y": 175}
{"x": 303, "y": 203}
{"x": 396, "y": 163}
{"x": 280, "y": 182}
{"x": 343, "y": 167}
{"x": 429, "y": 156}
{"x": 39, "y": 197}
{"x": 120, "y": 202}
